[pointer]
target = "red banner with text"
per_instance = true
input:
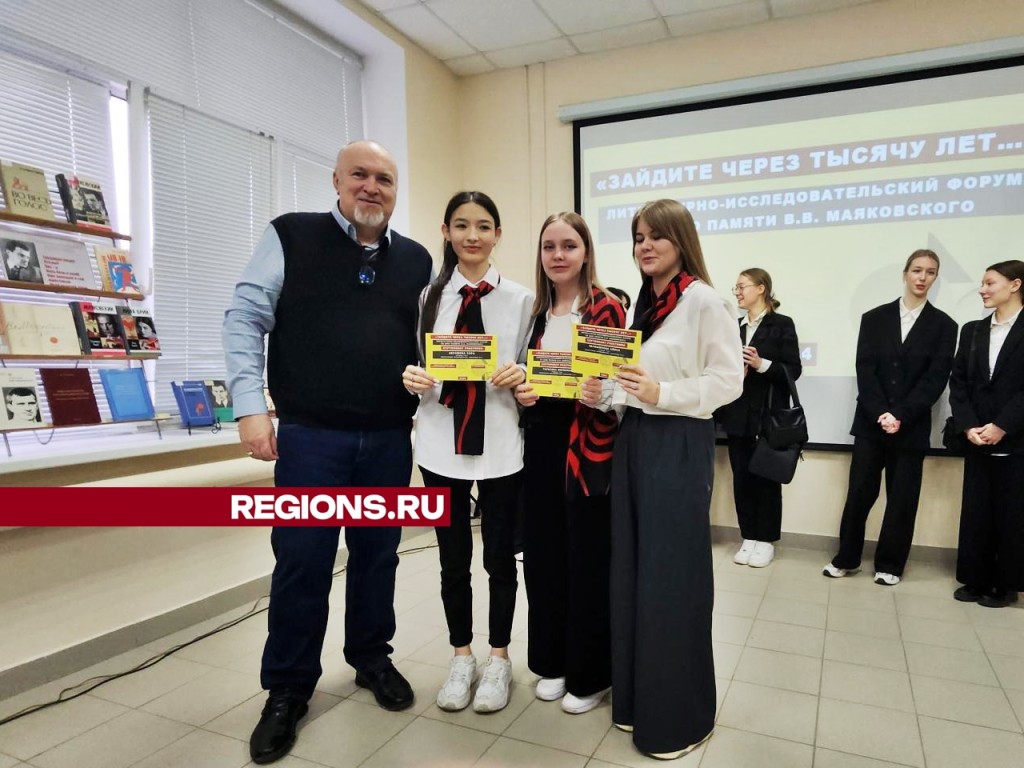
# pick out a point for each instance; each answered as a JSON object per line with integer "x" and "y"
{"x": 123, "y": 506}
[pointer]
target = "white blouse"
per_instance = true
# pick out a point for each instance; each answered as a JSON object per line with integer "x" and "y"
{"x": 695, "y": 355}
{"x": 506, "y": 314}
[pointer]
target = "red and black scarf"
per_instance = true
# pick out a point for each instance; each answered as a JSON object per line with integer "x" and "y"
{"x": 588, "y": 462}
{"x": 468, "y": 398}
{"x": 651, "y": 311}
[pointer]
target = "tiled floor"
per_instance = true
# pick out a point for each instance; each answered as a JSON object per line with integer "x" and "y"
{"x": 811, "y": 672}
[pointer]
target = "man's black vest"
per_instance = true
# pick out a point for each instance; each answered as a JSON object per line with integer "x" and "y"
{"x": 338, "y": 347}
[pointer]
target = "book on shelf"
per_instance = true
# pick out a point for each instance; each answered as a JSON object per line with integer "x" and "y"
{"x": 83, "y": 201}
{"x": 194, "y": 403}
{"x": 20, "y": 259}
{"x": 106, "y": 255}
{"x": 100, "y": 332}
{"x": 70, "y": 395}
{"x": 122, "y": 277}
{"x": 41, "y": 330}
{"x": 127, "y": 394}
{"x": 223, "y": 408}
{"x": 25, "y": 191}
{"x": 19, "y": 399}
{"x": 146, "y": 328}
{"x": 129, "y": 331}
{"x": 49, "y": 260}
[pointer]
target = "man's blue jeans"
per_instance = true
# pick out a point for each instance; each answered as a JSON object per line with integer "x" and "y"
{"x": 305, "y": 556}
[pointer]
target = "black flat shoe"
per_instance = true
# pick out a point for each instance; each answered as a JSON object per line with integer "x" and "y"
{"x": 998, "y": 599}
{"x": 390, "y": 689}
{"x": 274, "y": 734}
{"x": 968, "y": 594}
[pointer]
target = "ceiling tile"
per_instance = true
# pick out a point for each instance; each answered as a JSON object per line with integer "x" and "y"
{"x": 676, "y": 7}
{"x": 425, "y": 28}
{"x": 492, "y": 24}
{"x": 476, "y": 64}
{"x": 737, "y": 15}
{"x": 548, "y": 50}
{"x": 634, "y": 34}
{"x": 389, "y": 5}
{"x": 781, "y": 8}
{"x": 574, "y": 17}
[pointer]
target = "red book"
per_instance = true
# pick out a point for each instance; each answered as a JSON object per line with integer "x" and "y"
{"x": 70, "y": 395}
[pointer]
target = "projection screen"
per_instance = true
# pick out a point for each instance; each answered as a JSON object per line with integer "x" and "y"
{"x": 829, "y": 190}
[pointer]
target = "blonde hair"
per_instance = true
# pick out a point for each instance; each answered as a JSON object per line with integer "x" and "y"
{"x": 759, "y": 276}
{"x": 588, "y": 272}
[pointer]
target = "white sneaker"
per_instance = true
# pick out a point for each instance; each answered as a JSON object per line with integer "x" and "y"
{"x": 492, "y": 692}
{"x": 624, "y": 727}
{"x": 577, "y": 705}
{"x": 679, "y": 752}
{"x": 742, "y": 556}
{"x": 835, "y": 573}
{"x": 454, "y": 694}
{"x": 764, "y": 553}
{"x": 550, "y": 688}
{"x": 886, "y": 579}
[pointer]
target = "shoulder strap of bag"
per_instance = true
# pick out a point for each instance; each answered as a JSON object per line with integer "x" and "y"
{"x": 792, "y": 385}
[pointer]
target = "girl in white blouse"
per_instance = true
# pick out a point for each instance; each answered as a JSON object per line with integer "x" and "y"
{"x": 662, "y": 588}
{"x": 468, "y": 432}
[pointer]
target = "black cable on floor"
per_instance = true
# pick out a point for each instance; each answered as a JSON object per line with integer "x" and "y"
{"x": 104, "y": 679}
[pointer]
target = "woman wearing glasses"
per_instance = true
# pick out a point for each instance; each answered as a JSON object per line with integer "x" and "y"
{"x": 986, "y": 392}
{"x": 904, "y": 354}
{"x": 468, "y": 431}
{"x": 662, "y": 588}
{"x": 568, "y": 457}
{"x": 769, "y": 350}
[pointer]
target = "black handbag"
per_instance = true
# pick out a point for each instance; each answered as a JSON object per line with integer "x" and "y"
{"x": 776, "y": 464}
{"x": 953, "y": 439}
{"x": 783, "y": 427}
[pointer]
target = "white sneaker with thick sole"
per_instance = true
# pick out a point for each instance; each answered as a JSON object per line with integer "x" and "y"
{"x": 763, "y": 554}
{"x": 679, "y": 752}
{"x": 623, "y": 727}
{"x": 886, "y": 579}
{"x": 550, "y": 688}
{"x": 742, "y": 556}
{"x": 492, "y": 692}
{"x": 454, "y": 694}
{"x": 577, "y": 705}
{"x": 835, "y": 573}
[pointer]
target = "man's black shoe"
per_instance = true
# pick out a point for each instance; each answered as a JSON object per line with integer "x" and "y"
{"x": 390, "y": 689}
{"x": 968, "y": 594}
{"x": 998, "y": 599}
{"x": 274, "y": 734}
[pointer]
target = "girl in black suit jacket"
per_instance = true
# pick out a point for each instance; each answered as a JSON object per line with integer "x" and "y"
{"x": 904, "y": 353}
{"x": 986, "y": 392}
{"x": 770, "y": 343}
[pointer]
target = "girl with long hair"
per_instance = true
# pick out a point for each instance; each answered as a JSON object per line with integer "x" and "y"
{"x": 567, "y": 460}
{"x": 662, "y": 588}
{"x": 770, "y": 350}
{"x": 468, "y": 432}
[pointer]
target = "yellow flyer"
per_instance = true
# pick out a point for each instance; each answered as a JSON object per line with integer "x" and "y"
{"x": 551, "y": 375}
{"x": 461, "y": 356}
{"x": 599, "y": 351}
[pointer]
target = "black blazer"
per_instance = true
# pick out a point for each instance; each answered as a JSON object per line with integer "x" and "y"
{"x": 976, "y": 398}
{"x": 904, "y": 378}
{"x": 775, "y": 340}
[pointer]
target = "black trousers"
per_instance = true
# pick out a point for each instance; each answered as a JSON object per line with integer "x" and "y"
{"x": 566, "y": 562}
{"x": 498, "y": 500}
{"x": 991, "y": 548}
{"x": 305, "y": 555}
{"x": 758, "y": 501}
{"x": 662, "y": 585}
{"x": 902, "y": 469}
